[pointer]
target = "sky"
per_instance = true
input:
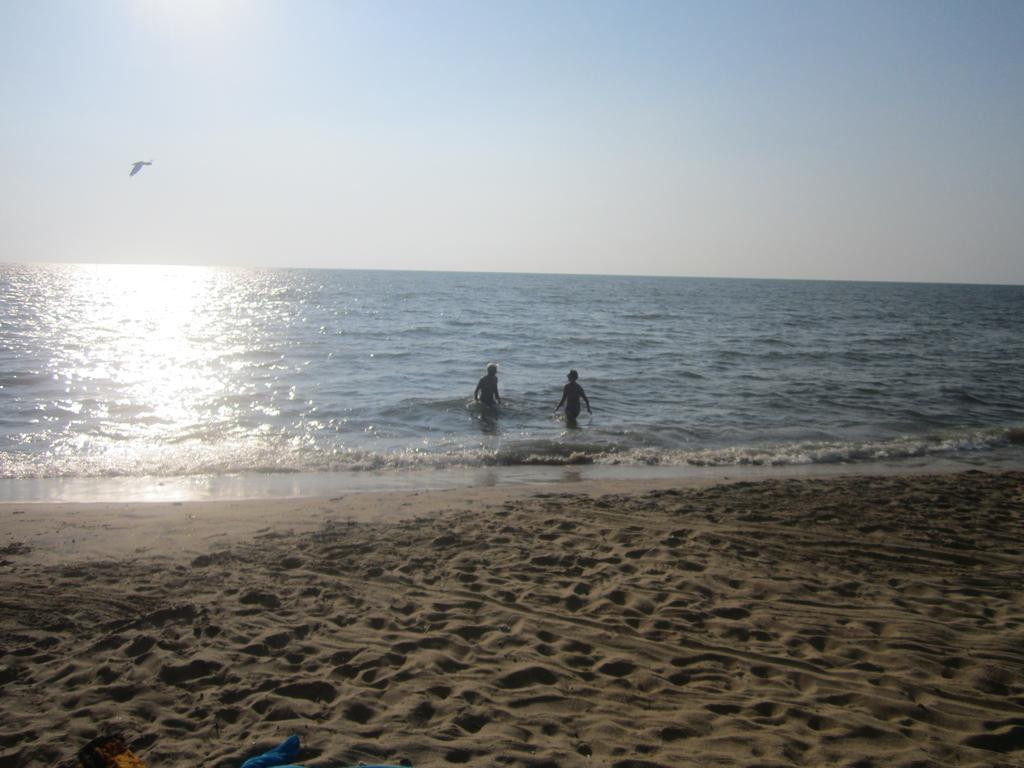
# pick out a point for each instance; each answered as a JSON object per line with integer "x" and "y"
{"x": 765, "y": 138}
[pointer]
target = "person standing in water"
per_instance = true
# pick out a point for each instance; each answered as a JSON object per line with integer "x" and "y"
{"x": 487, "y": 389}
{"x": 571, "y": 394}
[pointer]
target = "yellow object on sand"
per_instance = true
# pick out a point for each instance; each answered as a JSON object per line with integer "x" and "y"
{"x": 107, "y": 752}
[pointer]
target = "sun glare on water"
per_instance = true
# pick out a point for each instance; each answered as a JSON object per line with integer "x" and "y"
{"x": 132, "y": 369}
{"x": 151, "y": 333}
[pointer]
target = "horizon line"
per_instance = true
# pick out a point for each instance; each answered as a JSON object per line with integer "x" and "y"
{"x": 893, "y": 281}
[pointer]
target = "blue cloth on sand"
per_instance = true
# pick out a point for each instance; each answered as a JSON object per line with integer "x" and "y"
{"x": 282, "y": 755}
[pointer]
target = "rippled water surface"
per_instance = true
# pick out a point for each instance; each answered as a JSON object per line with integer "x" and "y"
{"x": 157, "y": 371}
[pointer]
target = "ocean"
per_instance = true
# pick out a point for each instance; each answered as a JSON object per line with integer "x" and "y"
{"x": 194, "y": 377}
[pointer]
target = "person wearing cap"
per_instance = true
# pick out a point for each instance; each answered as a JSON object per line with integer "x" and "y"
{"x": 571, "y": 394}
{"x": 487, "y": 389}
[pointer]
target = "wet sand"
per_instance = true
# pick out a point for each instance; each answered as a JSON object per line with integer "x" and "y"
{"x": 854, "y": 621}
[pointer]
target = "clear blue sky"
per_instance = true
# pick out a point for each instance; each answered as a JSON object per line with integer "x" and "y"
{"x": 847, "y": 140}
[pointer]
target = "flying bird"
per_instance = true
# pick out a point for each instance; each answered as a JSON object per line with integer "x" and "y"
{"x": 136, "y": 167}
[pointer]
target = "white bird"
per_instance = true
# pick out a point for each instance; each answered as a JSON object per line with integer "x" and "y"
{"x": 136, "y": 167}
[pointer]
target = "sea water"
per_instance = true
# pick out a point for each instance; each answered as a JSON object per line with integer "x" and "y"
{"x": 184, "y": 372}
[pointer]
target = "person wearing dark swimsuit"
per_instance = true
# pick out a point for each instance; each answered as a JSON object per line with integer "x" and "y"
{"x": 571, "y": 394}
{"x": 487, "y": 389}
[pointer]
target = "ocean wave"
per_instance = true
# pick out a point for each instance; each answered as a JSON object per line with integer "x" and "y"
{"x": 97, "y": 458}
{"x": 963, "y": 396}
{"x": 825, "y": 452}
{"x": 412, "y": 406}
{"x": 26, "y": 379}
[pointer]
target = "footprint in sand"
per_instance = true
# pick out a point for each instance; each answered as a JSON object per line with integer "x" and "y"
{"x": 194, "y": 670}
{"x": 527, "y": 676}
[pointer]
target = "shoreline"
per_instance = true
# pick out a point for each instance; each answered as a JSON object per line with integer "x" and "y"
{"x": 268, "y": 486}
{"x": 54, "y": 532}
{"x": 861, "y": 619}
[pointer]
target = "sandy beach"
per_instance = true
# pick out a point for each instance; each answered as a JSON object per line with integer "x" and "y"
{"x": 853, "y": 621}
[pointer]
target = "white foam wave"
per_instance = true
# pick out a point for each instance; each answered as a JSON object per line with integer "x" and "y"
{"x": 817, "y": 452}
{"x": 96, "y": 458}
